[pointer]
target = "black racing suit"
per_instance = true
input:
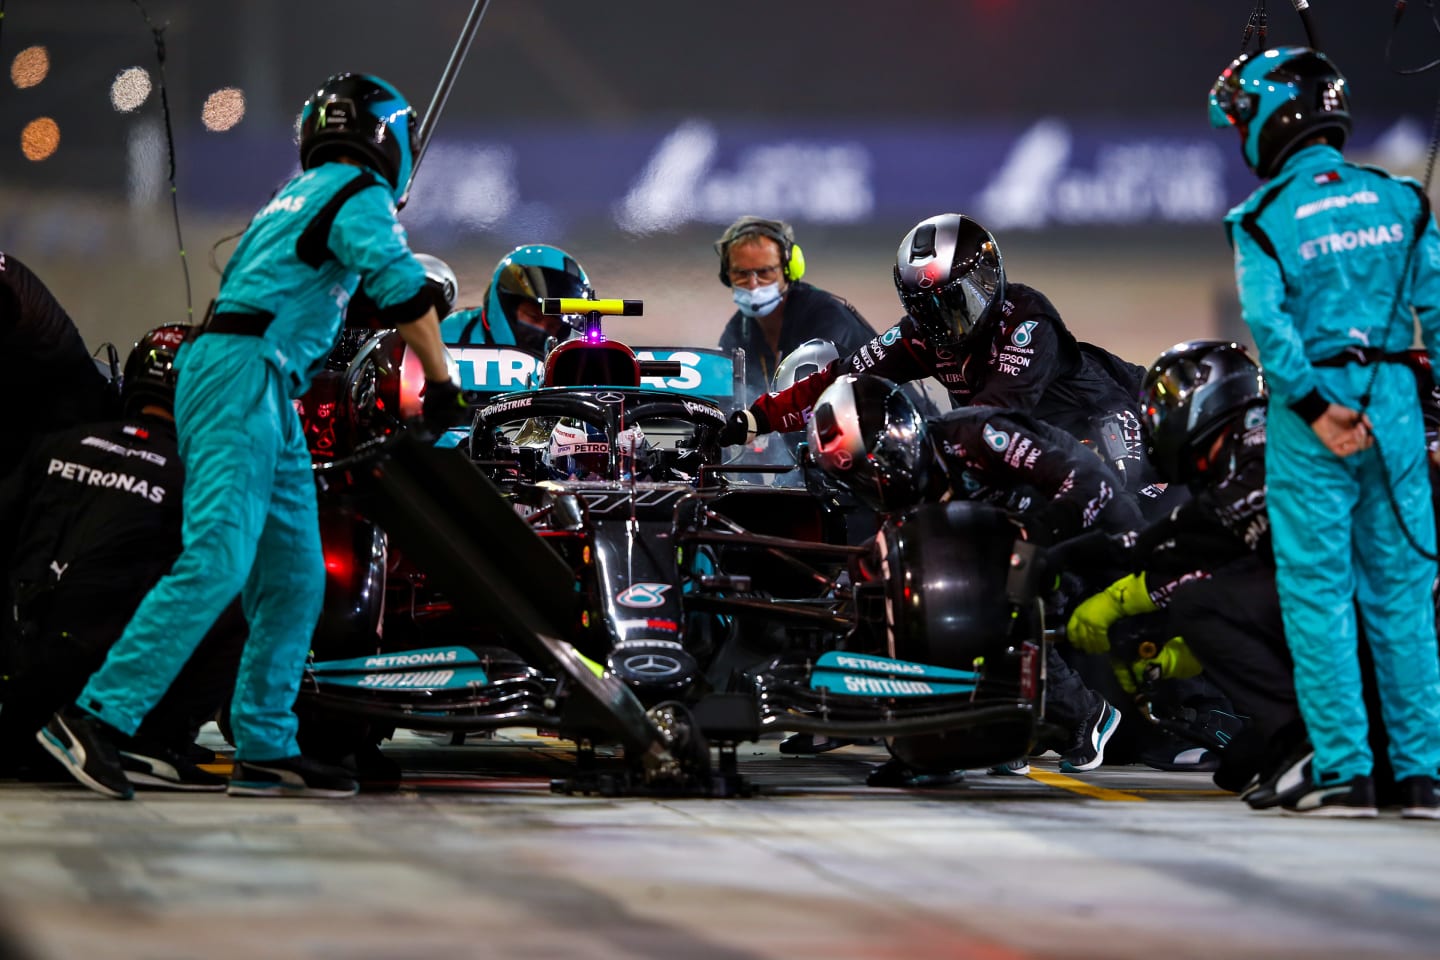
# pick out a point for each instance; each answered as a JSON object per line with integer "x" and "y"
{"x": 1027, "y": 360}
{"x": 1209, "y": 566}
{"x": 1059, "y": 489}
{"x": 50, "y": 382}
{"x": 91, "y": 520}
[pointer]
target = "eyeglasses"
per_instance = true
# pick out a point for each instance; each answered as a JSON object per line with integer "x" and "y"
{"x": 761, "y": 274}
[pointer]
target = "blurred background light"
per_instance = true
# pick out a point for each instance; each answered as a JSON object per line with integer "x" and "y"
{"x": 40, "y": 138}
{"x": 223, "y": 109}
{"x": 130, "y": 89}
{"x": 30, "y": 66}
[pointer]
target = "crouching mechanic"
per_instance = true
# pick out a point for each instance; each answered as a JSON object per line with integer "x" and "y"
{"x": 868, "y": 436}
{"x": 989, "y": 342}
{"x": 92, "y": 520}
{"x": 1208, "y": 566}
{"x": 250, "y": 521}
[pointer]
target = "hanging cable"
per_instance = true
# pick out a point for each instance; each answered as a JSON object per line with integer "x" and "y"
{"x": 1395, "y": 29}
{"x": 158, "y": 33}
{"x": 1255, "y": 26}
{"x": 1430, "y": 155}
{"x": 1302, "y": 7}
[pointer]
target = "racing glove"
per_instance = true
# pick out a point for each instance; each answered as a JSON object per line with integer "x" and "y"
{"x": 443, "y": 405}
{"x": 1089, "y": 626}
{"x": 743, "y": 427}
{"x": 1175, "y": 661}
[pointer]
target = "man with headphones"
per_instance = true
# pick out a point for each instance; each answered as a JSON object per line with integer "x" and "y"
{"x": 776, "y": 310}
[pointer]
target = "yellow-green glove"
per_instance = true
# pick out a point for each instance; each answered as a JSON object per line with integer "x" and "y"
{"x": 1175, "y": 661}
{"x": 1089, "y": 626}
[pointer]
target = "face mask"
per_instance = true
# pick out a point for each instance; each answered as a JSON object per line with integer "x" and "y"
{"x": 760, "y": 302}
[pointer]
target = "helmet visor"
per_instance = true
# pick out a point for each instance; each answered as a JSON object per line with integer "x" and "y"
{"x": 961, "y": 304}
{"x": 1169, "y": 388}
{"x": 522, "y": 281}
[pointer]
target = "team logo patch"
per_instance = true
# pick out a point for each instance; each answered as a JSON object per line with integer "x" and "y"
{"x": 643, "y": 595}
{"x": 890, "y": 336}
{"x": 1329, "y": 176}
{"x": 1254, "y": 417}
{"x": 996, "y": 440}
{"x": 1022, "y": 335}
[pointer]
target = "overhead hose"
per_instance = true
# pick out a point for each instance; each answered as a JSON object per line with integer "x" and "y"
{"x": 158, "y": 33}
{"x": 1430, "y": 155}
{"x": 1256, "y": 27}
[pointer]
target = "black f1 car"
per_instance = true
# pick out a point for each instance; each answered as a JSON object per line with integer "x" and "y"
{"x": 584, "y": 562}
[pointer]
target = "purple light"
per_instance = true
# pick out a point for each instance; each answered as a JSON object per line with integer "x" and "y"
{"x": 593, "y": 336}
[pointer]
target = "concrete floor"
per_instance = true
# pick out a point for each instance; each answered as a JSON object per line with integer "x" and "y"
{"x": 483, "y": 861}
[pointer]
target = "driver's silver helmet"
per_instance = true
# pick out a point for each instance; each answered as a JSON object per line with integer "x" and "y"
{"x": 812, "y": 356}
{"x": 867, "y": 435}
{"x": 577, "y": 451}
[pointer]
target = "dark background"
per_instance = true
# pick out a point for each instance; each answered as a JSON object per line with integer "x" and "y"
{"x": 570, "y": 73}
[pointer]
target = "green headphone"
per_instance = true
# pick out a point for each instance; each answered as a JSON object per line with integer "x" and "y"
{"x": 792, "y": 258}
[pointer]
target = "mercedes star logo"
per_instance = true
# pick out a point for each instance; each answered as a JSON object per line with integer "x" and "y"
{"x": 610, "y": 398}
{"x": 652, "y": 665}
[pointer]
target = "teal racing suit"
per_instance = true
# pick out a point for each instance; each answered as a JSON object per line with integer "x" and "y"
{"x": 1330, "y": 257}
{"x": 250, "y": 518}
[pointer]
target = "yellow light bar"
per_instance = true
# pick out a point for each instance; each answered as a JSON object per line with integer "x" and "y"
{"x": 555, "y": 306}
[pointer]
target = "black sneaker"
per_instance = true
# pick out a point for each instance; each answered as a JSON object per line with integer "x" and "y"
{"x": 1088, "y": 750}
{"x": 290, "y": 777}
{"x": 1418, "y": 800}
{"x": 1288, "y": 785}
{"x": 151, "y": 765}
{"x": 1181, "y": 759}
{"x": 1015, "y": 768}
{"x": 1352, "y": 800}
{"x": 86, "y": 746}
{"x": 893, "y": 773}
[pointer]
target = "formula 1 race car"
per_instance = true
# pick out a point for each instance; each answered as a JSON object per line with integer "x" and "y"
{"x": 585, "y": 562}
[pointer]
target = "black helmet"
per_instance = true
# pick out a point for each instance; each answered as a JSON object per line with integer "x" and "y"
{"x": 1277, "y": 100}
{"x": 1190, "y": 392}
{"x": 867, "y": 435}
{"x": 361, "y": 116}
{"x": 950, "y": 275}
{"x": 149, "y": 376}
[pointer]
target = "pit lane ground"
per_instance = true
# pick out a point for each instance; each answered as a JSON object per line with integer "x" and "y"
{"x": 486, "y": 862}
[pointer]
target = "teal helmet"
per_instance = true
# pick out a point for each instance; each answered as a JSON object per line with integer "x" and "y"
{"x": 533, "y": 272}
{"x": 364, "y": 117}
{"x": 1278, "y": 99}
